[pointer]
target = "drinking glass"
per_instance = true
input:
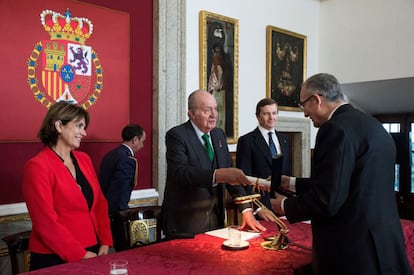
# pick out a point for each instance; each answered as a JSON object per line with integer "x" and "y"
{"x": 118, "y": 267}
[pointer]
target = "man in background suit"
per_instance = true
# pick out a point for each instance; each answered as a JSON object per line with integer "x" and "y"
{"x": 117, "y": 174}
{"x": 194, "y": 192}
{"x": 349, "y": 196}
{"x": 253, "y": 154}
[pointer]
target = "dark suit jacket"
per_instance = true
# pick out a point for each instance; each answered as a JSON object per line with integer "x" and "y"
{"x": 253, "y": 157}
{"x": 350, "y": 198}
{"x": 116, "y": 176}
{"x": 191, "y": 203}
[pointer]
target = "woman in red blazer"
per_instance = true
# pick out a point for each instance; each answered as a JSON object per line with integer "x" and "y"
{"x": 69, "y": 213}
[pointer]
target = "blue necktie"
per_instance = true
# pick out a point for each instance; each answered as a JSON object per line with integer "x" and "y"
{"x": 272, "y": 147}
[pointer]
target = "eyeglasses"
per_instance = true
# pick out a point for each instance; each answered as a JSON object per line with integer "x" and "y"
{"x": 302, "y": 103}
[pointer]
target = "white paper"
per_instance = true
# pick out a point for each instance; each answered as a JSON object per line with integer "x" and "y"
{"x": 224, "y": 234}
{"x": 260, "y": 181}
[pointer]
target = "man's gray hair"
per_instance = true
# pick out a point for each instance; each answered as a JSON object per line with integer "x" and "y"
{"x": 191, "y": 99}
{"x": 326, "y": 85}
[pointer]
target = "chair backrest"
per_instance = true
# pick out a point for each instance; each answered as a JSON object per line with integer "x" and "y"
{"x": 137, "y": 226}
{"x": 18, "y": 244}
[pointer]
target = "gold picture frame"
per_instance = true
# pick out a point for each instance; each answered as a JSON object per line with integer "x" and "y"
{"x": 285, "y": 66}
{"x": 219, "y": 53}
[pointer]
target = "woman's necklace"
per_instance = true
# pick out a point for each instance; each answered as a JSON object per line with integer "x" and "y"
{"x": 68, "y": 164}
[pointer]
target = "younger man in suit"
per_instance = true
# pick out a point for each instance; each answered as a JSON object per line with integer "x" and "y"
{"x": 254, "y": 155}
{"x": 117, "y": 174}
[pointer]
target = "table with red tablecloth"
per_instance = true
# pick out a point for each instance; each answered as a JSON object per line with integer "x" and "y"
{"x": 408, "y": 230}
{"x": 204, "y": 254}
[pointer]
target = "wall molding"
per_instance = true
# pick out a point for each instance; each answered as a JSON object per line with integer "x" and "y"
{"x": 169, "y": 97}
{"x": 13, "y": 209}
{"x": 301, "y": 152}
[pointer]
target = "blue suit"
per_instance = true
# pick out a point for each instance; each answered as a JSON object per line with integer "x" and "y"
{"x": 116, "y": 176}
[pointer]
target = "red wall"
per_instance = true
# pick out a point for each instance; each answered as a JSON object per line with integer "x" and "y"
{"x": 13, "y": 155}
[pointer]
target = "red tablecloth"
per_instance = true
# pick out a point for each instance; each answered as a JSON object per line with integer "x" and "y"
{"x": 408, "y": 229}
{"x": 203, "y": 255}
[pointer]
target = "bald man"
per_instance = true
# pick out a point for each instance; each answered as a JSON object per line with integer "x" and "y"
{"x": 196, "y": 177}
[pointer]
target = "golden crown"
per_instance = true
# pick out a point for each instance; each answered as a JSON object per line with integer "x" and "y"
{"x": 66, "y": 27}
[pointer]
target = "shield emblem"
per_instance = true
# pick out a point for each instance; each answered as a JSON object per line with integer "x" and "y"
{"x": 64, "y": 68}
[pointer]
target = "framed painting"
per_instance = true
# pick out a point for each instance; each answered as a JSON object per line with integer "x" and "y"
{"x": 219, "y": 67}
{"x": 285, "y": 66}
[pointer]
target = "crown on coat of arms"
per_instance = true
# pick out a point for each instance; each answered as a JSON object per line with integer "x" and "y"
{"x": 66, "y": 27}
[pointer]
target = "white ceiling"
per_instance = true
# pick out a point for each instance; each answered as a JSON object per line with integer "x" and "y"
{"x": 392, "y": 96}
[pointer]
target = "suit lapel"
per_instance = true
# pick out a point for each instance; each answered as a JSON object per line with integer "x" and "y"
{"x": 198, "y": 148}
{"x": 262, "y": 145}
{"x": 217, "y": 144}
{"x": 282, "y": 142}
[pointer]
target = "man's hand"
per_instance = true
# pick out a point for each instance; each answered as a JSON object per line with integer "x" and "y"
{"x": 249, "y": 221}
{"x": 232, "y": 176}
{"x": 277, "y": 204}
{"x": 285, "y": 182}
{"x": 266, "y": 215}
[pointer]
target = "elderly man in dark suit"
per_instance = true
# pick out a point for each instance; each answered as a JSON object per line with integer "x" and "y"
{"x": 199, "y": 166}
{"x": 254, "y": 155}
{"x": 349, "y": 196}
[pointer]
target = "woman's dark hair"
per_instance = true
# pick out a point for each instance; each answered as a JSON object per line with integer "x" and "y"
{"x": 63, "y": 111}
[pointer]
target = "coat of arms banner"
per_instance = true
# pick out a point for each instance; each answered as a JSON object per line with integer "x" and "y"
{"x": 63, "y": 50}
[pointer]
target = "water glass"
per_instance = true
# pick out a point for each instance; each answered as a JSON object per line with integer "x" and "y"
{"x": 118, "y": 267}
{"x": 234, "y": 235}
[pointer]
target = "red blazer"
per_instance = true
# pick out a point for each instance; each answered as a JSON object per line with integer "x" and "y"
{"x": 61, "y": 221}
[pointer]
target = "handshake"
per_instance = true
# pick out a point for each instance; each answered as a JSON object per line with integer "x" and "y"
{"x": 235, "y": 176}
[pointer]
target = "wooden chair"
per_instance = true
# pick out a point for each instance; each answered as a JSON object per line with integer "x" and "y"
{"x": 18, "y": 244}
{"x": 137, "y": 227}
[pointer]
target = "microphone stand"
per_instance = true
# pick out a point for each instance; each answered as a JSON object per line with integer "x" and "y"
{"x": 279, "y": 241}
